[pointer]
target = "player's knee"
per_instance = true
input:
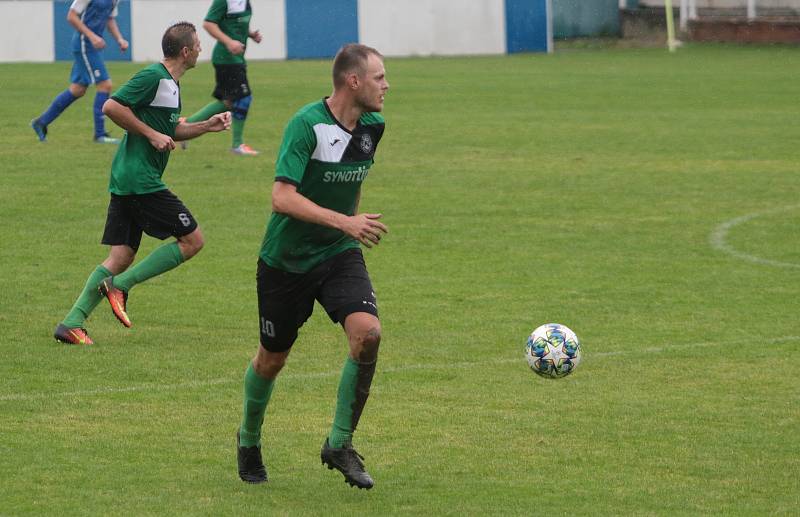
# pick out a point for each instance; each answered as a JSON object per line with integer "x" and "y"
{"x": 366, "y": 345}
{"x": 119, "y": 259}
{"x": 241, "y": 107}
{"x": 77, "y": 90}
{"x": 268, "y": 365}
{"x": 125, "y": 263}
{"x": 105, "y": 86}
{"x": 191, "y": 245}
{"x": 197, "y": 245}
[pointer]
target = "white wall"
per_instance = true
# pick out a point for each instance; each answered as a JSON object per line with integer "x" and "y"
{"x": 36, "y": 42}
{"x": 433, "y": 27}
{"x": 150, "y": 18}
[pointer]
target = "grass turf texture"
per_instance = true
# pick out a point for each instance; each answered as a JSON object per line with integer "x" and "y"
{"x": 582, "y": 188}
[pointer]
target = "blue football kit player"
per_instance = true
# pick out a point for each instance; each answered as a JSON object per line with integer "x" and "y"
{"x": 90, "y": 19}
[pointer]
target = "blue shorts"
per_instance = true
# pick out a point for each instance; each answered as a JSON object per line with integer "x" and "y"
{"x": 88, "y": 68}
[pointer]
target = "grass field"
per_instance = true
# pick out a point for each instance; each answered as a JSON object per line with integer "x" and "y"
{"x": 648, "y": 201}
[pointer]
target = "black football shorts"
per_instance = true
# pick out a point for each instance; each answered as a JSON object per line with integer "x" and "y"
{"x": 286, "y": 300}
{"x": 158, "y": 214}
{"x": 232, "y": 83}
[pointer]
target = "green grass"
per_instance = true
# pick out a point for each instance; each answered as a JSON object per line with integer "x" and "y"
{"x": 583, "y": 187}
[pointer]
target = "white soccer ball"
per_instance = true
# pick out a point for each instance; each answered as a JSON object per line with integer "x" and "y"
{"x": 553, "y": 351}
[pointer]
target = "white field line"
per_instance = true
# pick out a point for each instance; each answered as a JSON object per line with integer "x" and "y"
{"x": 720, "y": 234}
{"x": 159, "y": 387}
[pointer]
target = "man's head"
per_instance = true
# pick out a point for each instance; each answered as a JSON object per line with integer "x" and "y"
{"x": 358, "y": 70}
{"x": 181, "y": 42}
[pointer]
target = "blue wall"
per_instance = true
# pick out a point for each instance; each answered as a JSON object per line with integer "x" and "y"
{"x": 526, "y": 26}
{"x": 318, "y": 28}
{"x": 63, "y": 32}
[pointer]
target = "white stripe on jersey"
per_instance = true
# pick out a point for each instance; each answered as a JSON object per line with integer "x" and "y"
{"x": 79, "y": 6}
{"x": 331, "y": 143}
{"x": 167, "y": 96}
{"x": 237, "y": 6}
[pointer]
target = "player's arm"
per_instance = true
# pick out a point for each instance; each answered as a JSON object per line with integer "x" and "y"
{"x": 188, "y": 130}
{"x": 255, "y": 36}
{"x": 363, "y": 227}
{"x": 234, "y": 47}
{"x": 74, "y": 19}
{"x": 124, "y": 117}
{"x": 113, "y": 29}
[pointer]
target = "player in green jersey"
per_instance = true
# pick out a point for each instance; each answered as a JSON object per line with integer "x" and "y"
{"x": 148, "y": 108}
{"x": 311, "y": 252}
{"x": 228, "y": 22}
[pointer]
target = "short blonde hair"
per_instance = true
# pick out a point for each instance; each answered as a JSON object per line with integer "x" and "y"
{"x": 351, "y": 58}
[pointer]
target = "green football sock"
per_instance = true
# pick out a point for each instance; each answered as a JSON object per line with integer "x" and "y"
{"x": 237, "y": 128}
{"x": 159, "y": 261}
{"x": 351, "y": 398}
{"x": 88, "y": 299}
{"x": 207, "y": 111}
{"x": 257, "y": 391}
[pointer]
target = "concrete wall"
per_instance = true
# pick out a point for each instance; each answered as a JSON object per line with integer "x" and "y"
{"x": 26, "y": 31}
{"x": 152, "y": 17}
{"x": 426, "y": 27}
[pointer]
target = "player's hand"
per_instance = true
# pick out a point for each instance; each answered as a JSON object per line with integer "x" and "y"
{"x": 256, "y": 36}
{"x": 219, "y": 122}
{"x": 366, "y": 229}
{"x": 123, "y": 44}
{"x": 162, "y": 142}
{"x": 97, "y": 42}
{"x": 235, "y": 47}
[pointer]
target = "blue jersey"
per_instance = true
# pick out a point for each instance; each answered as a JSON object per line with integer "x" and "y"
{"x": 95, "y": 15}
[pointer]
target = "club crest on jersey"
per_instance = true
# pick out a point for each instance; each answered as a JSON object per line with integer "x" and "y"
{"x": 366, "y": 143}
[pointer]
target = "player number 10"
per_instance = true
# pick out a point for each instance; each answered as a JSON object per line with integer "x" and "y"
{"x": 267, "y": 327}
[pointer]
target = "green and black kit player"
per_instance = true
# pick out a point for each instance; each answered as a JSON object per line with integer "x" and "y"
{"x": 228, "y": 22}
{"x": 311, "y": 252}
{"x": 148, "y": 108}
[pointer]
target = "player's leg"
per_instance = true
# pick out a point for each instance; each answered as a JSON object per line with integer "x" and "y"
{"x": 239, "y": 115}
{"x": 259, "y": 379}
{"x": 124, "y": 236}
{"x": 102, "y": 94}
{"x": 61, "y": 102}
{"x": 364, "y": 335}
{"x": 285, "y": 301}
{"x": 349, "y": 299}
{"x": 163, "y": 215}
{"x": 210, "y": 109}
{"x": 237, "y": 94}
{"x": 80, "y": 77}
{"x": 207, "y": 111}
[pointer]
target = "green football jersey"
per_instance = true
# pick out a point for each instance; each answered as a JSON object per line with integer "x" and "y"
{"x": 233, "y": 18}
{"x": 327, "y": 163}
{"x": 155, "y": 98}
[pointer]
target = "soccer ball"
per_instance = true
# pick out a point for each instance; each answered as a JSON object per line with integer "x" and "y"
{"x": 553, "y": 351}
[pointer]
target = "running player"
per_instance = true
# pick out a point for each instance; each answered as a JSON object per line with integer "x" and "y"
{"x": 90, "y": 19}
{"x": 148, "y": 108}
{"x": 311, "y": 252}
{"x": 228, "y": 22}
